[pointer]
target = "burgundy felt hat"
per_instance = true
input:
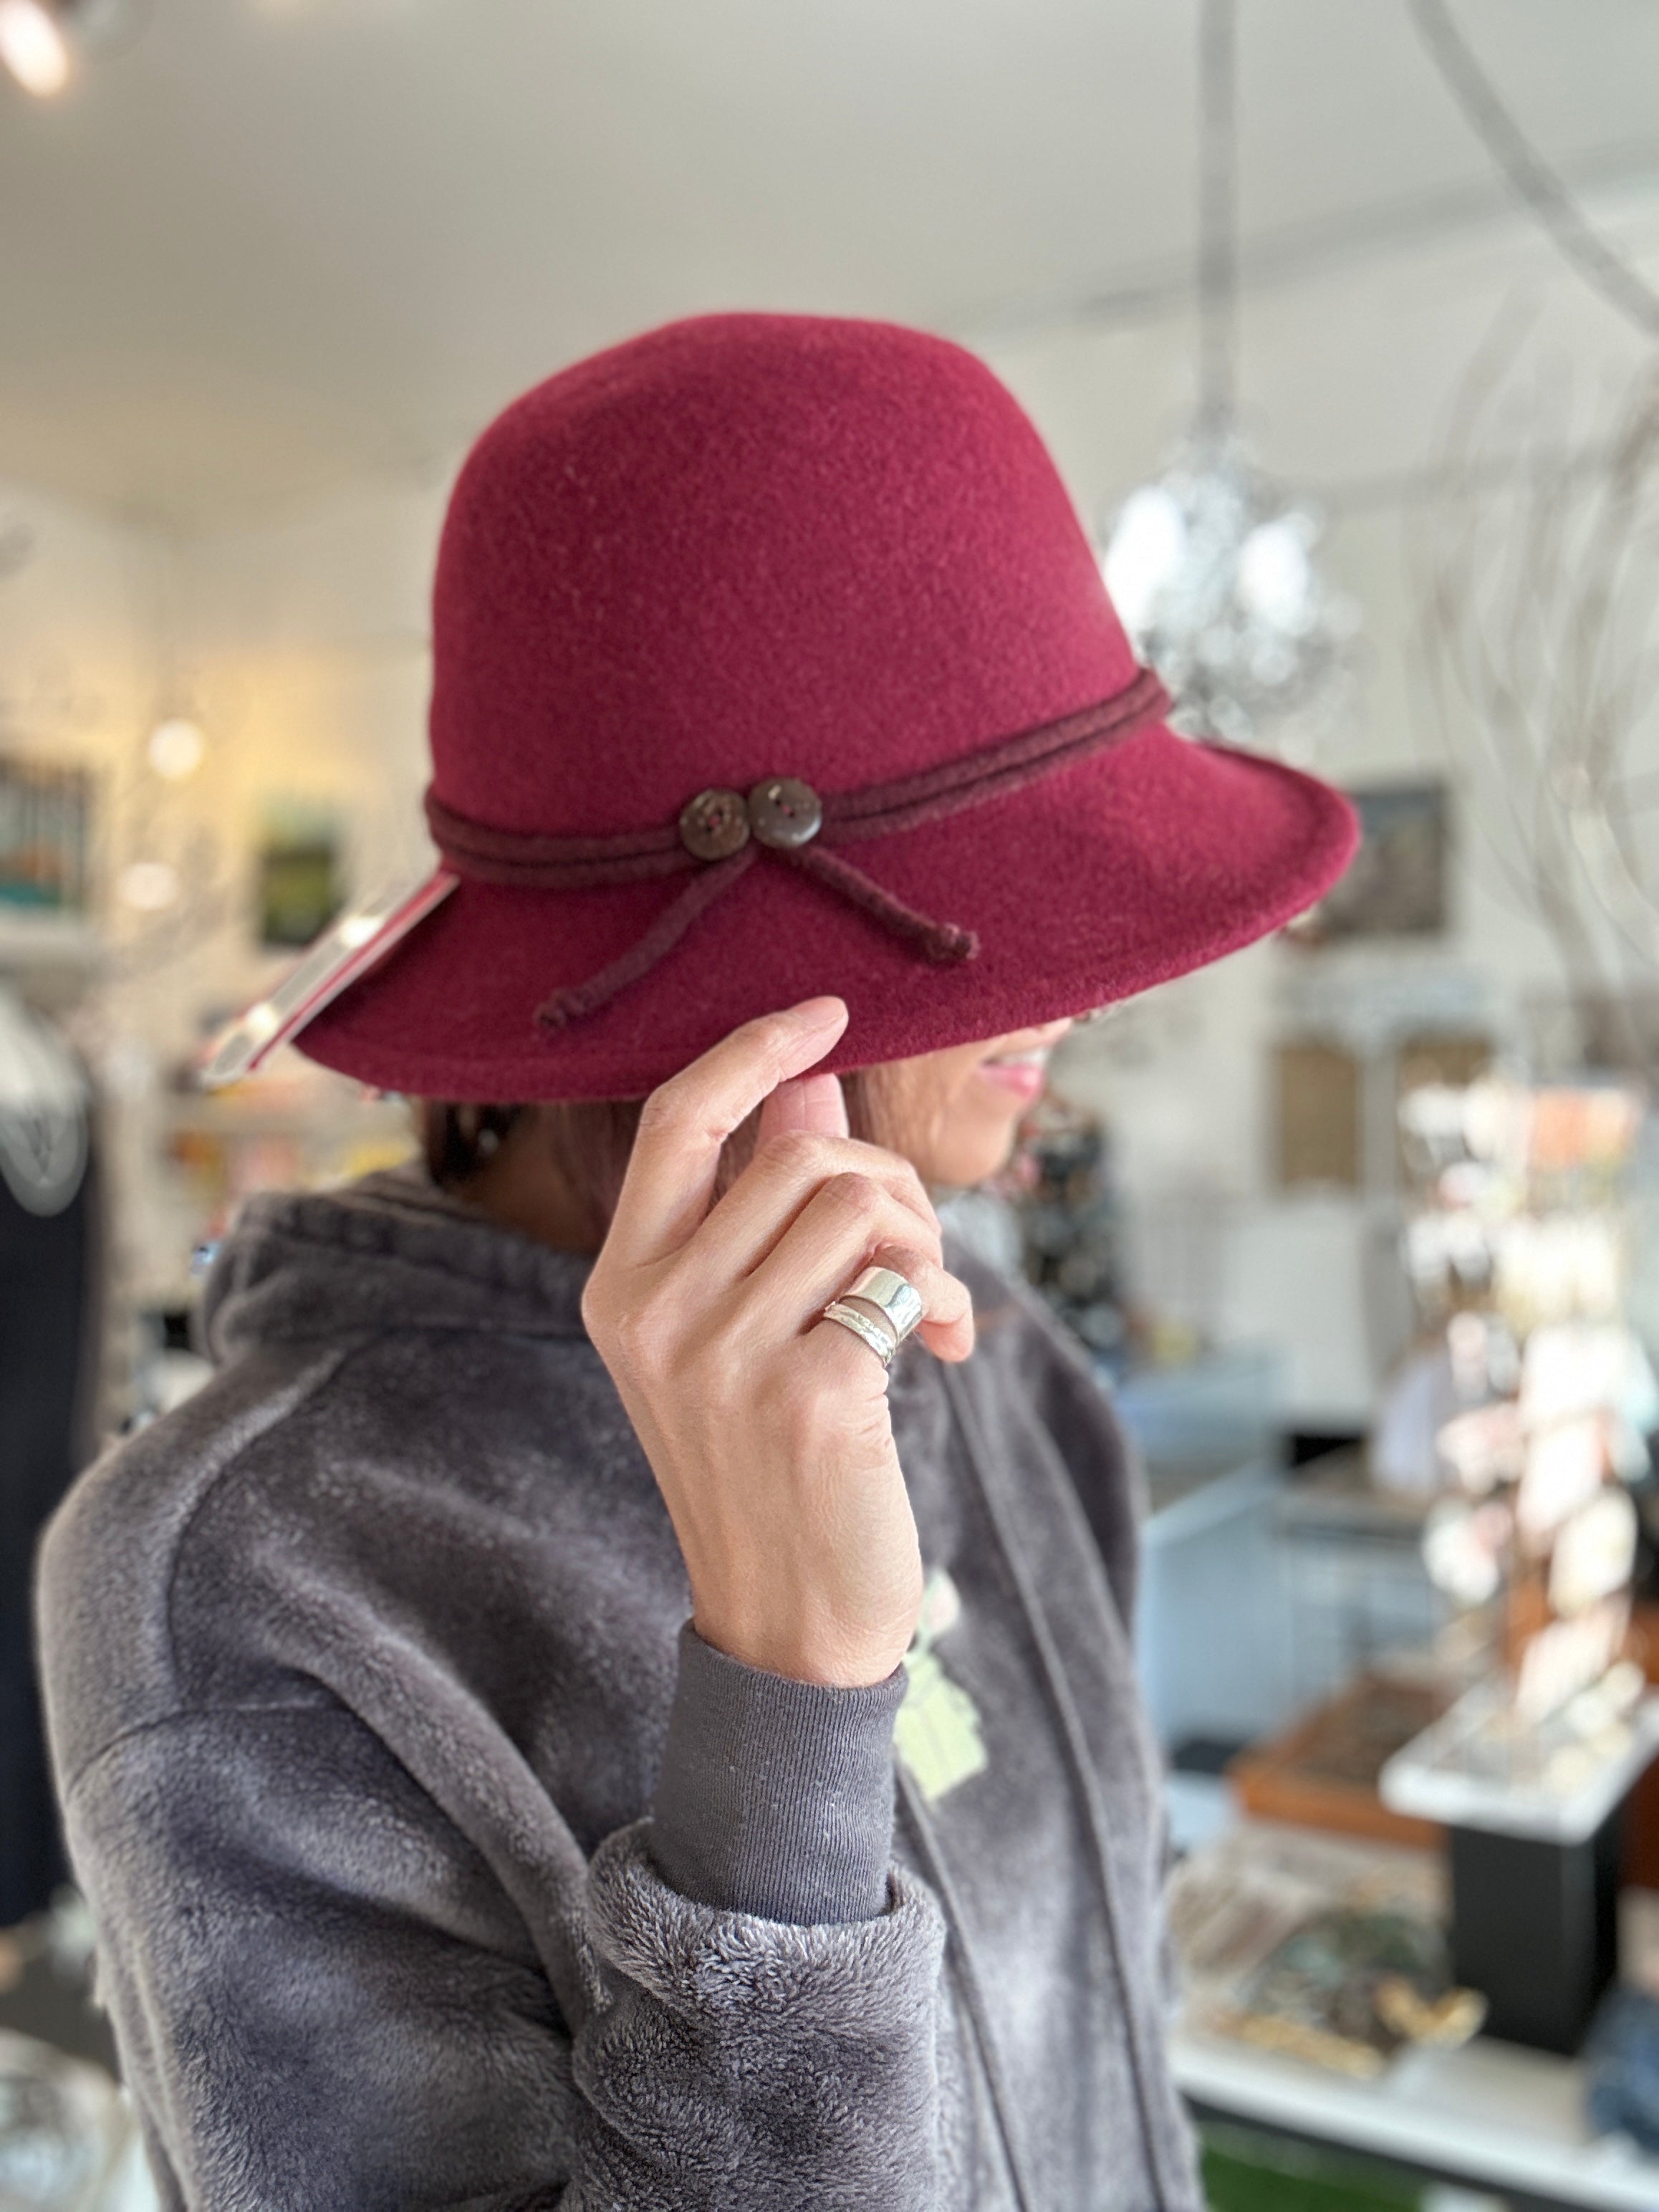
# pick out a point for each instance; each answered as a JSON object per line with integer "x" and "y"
{"x": 771, "y": 660}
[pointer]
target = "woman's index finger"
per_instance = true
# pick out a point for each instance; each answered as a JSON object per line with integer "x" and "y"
{"x": 670, "y": 1182}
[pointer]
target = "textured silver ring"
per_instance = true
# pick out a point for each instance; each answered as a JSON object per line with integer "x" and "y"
{"x": 867, "y": 1331}
{"x": 894, "y": 1297}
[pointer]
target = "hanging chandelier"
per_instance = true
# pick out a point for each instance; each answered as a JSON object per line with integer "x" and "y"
{"x": 1212, "y": 565}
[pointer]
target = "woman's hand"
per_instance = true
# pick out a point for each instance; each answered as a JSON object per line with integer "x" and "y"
{"x": 767, "y": 1428}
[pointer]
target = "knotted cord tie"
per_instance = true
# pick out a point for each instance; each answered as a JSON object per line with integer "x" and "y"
{"x": 720, "y": 834}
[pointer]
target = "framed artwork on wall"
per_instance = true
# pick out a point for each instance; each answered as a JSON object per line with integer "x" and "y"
{"x": 45, "y": 814}
{"x": 299, "y": 875}
{"x": 1397, "y": 883}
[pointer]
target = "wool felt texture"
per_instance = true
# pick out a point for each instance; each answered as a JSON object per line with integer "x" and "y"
{"x": 379, "y": 1739}
{"x": 876, "y": 809}
{"x": 748, "y": 546}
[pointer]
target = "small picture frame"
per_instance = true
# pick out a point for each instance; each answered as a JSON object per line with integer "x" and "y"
{"x": 1396, "y": 883}
{"x": 45, "y": 815}
{"x": 299, "y": 876}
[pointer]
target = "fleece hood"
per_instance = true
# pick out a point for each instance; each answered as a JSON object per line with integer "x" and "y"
{"x": 390, "y": 1251}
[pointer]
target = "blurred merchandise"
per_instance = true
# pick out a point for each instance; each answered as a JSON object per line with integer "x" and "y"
{"x": 1349, "y": 1989}
{"x": 1532, "y": 1808}
{"x": 1622, "y": 2055}
{"x": 1071, "y": 1219}
{"x": 65, "y": 2129}
{"x": 1418, "y": 1400}
{"x": 1530, "y": 1408}
{"x": 1322, "y": 1771}
{"x": 51, "y": 1288}
{"x": 1519, "y": 1198}
{"x": 1315, "y": 1946}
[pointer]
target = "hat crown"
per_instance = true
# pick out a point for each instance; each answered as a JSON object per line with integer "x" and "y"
{"x": 753, "y": 545}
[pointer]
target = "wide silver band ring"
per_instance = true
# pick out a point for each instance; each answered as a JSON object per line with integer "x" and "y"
{"x": 867, "y": 1331}
{"x": 894, "y": 1297}
{"x": 880, "y": 1308}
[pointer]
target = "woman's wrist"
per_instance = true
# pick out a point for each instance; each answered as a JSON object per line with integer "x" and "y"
{"x": 776, "y": 1795}
{"x": 820, "y": 1654}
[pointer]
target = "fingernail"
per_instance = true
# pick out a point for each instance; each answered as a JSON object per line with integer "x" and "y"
{"x": 819, "y": 1013}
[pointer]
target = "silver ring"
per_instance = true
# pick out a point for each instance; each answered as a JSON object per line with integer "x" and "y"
{"x": 867, "y": 1331}
{"x": 894, "y": 1297}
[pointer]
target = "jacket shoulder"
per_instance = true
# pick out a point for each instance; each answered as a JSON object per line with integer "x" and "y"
{"x": 109, "y": 1555}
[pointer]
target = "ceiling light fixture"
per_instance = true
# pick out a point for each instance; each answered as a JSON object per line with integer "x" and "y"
{"x": 1210, "y": 566}
{"x": 176, "y": 747}
{"x": 148, "y": 885}
{"x": 32, "y": 45}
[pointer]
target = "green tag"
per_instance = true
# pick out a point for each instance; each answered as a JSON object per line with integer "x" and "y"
{"x": 937, "y": 1732}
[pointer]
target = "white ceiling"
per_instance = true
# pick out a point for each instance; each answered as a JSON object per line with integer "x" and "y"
{"x": 269, "y": 246}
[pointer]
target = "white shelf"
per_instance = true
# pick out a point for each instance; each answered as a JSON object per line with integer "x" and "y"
{"x": 1491, "y": 2113}
{"x": 45, "y": 940}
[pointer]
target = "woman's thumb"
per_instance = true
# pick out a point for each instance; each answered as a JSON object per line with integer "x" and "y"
{"x": 813, "y": 1102}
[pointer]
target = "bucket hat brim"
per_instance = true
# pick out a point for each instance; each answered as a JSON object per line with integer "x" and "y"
{"x": 1088, "y": 886}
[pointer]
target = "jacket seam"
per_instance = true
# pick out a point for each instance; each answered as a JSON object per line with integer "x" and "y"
{"x": 232, "y": 1466}
{"x": 334, "y": 1710}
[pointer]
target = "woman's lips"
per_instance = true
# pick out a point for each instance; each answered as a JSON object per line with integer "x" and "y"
{"x": 1021, "y": 1073}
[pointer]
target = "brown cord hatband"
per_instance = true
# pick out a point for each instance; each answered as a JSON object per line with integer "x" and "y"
{"x": 878, "y": 810}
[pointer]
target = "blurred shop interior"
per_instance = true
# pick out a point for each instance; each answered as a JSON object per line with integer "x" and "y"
{"x": 1342, "y": 318}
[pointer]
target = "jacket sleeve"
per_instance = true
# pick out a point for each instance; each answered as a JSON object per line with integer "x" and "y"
{"x": 324, "y": 1998}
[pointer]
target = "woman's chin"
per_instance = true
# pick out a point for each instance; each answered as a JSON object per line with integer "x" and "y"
{"x": 973, "y": 1155}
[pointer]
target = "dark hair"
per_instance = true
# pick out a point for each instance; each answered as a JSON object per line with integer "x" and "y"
{"x": 589, "y": 1141}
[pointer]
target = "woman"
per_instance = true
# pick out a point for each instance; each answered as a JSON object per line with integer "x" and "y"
{"x": 780, "y": 729}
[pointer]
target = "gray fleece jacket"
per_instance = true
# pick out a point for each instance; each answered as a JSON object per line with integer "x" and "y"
{"x": 435, "y": 1863}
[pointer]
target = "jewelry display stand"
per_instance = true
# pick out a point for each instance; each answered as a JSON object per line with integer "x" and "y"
{"x": 1533, "y": 1829}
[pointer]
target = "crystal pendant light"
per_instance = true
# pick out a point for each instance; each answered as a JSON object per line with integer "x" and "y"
{"x": 1210, "y": 566}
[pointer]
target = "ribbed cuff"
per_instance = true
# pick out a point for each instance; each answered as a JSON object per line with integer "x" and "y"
{"x": 775, "y": 1796}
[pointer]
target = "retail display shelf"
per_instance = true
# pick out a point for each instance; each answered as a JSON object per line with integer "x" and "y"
{"x": 1189, "y": 1499}
{"x": 1333, "y": 1499}
{"x": 1438, "y": 1777}
{"x": 1490, "y": 2114}
{"x": 29, "y": 940}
